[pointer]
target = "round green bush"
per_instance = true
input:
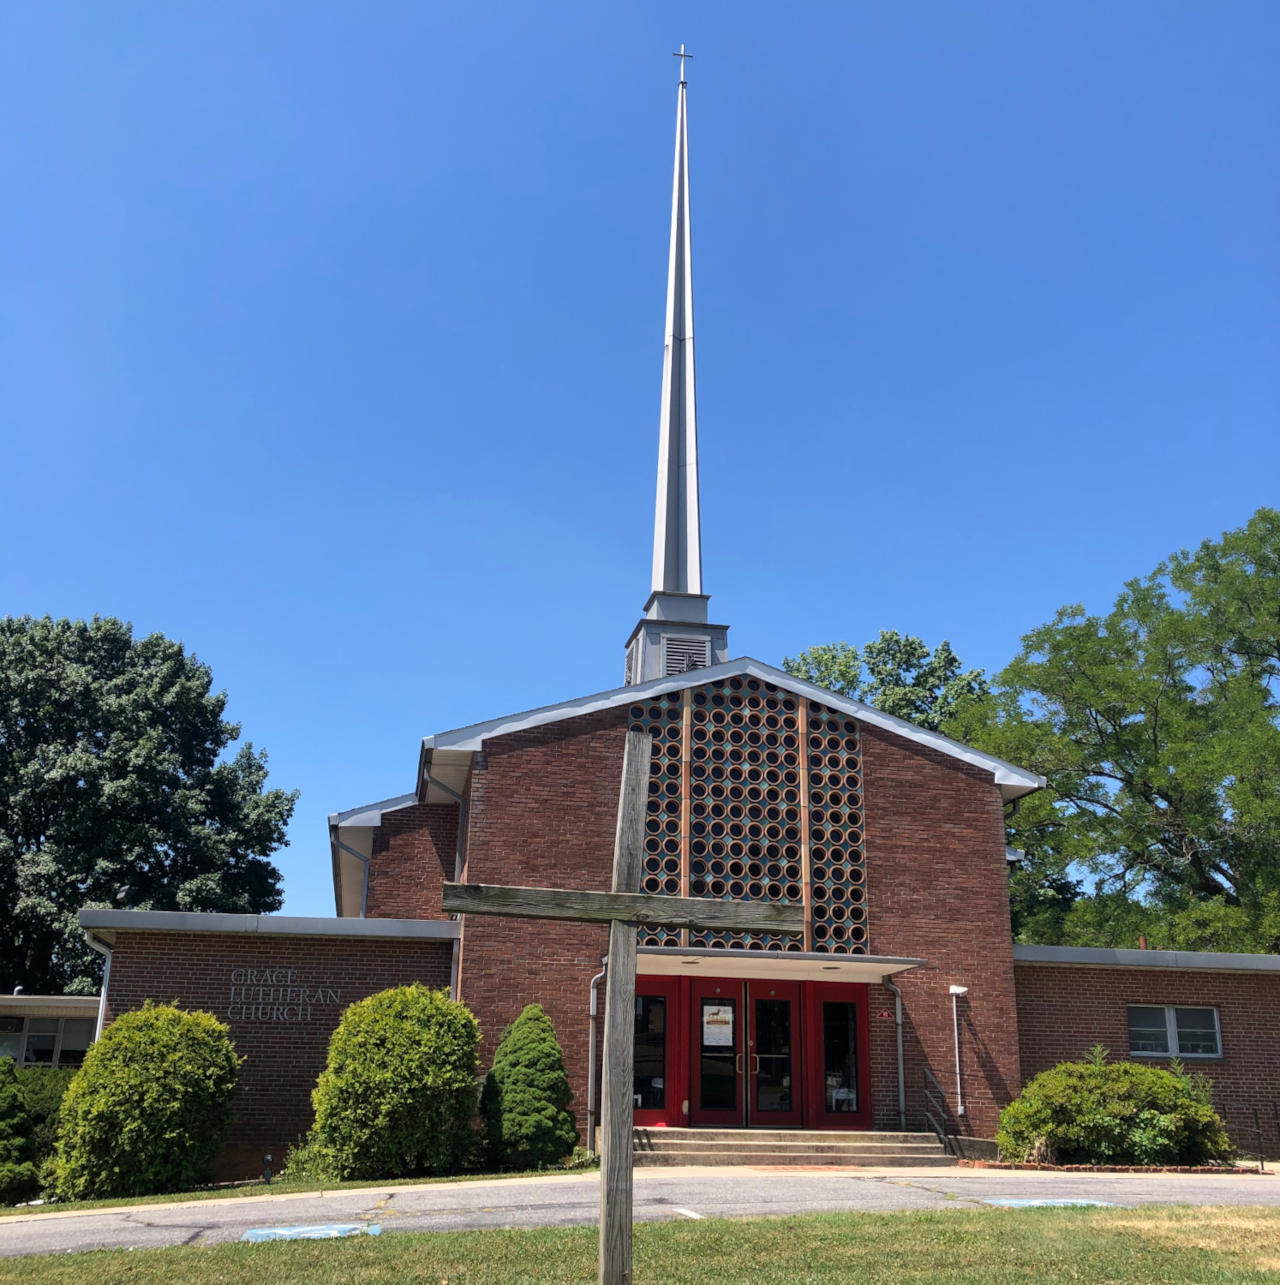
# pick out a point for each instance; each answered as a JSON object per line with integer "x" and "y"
{"x": 1125, "y": 1113}
{"x": 398, "y": 1094}
{"x": 149, "y": 1109}
{"x": 526, "y": 1097}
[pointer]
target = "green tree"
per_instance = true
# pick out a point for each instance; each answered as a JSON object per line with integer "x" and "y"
{"x": 897, "y": 674}
{"x": 526, "y": 1096}
{"x": 149, "y": 1109}
{"x": 113, "y": 791}
{"x": 1157, "y": 728}
{"x": 397, "y": 1096}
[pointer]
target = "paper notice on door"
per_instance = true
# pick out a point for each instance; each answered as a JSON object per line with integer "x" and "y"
{"x": 717, "y": 1026}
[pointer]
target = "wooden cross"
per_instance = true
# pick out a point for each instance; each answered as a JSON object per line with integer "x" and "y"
{"x": 622, "y": 909}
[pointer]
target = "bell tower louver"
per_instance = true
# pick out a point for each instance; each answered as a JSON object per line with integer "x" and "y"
{"x": 673, "y": 635}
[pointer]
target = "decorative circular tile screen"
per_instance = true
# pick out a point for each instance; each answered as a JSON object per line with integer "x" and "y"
{"x": 755, "y": 795}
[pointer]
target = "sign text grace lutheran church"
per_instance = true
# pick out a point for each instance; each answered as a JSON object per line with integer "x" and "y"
{"x": 905, "y": 989}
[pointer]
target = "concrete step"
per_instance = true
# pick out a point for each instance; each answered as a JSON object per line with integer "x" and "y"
{"x": 786, "y": 1147}
{"x": 895, "y": 1160}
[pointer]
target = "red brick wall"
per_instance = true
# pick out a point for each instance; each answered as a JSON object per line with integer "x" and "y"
{"x": 1064, "y": 1010}
{"x": 543, "y": 813}
{"x": 937, "y": 888}
{"x": 414, "y": 850}
{"x": 282, "y": 1058}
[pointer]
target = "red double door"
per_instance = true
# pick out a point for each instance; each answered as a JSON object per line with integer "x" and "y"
{"x": 735, "y": 1053}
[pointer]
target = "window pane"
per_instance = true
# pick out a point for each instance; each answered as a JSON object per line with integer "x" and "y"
{"x": 11, "y": 1024}
{"x": 40, "y": 1049}
{"x": 77, "y": 1032}
{"x": 651, "y": 1052}
{"x": 11, "y": 1042}
{"x": 1197, "y": 1031}
{"x": 42, "y": 1026}
{"x": 1148, "y": 1032}
{"x": 840, "y": 1056}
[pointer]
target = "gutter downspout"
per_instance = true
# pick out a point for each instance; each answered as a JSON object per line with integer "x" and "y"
{"x": 902, "y": 1084}
{"x": 459, "y": 862}
{"x": 105, "y": 951}
{"x": 591, "y": 1056}
{"x": 364, "y": 887}
{"x": 956, "y": 992}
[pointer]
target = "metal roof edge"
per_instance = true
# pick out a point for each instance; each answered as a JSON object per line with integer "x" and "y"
{"x": 393, "y": 804}
{"x": 1018, "y": 780}
{"x": 1206, "y": 960}
{"x": 114, "y": 921}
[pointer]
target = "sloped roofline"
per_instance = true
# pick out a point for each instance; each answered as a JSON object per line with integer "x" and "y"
{"x": 1013, "y": 781}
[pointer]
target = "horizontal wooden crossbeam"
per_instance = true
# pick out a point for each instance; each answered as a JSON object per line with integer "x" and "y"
{"x": 623, "y": 907}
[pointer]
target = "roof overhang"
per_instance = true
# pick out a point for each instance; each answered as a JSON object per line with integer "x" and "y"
{"x": 673, "y": 961}
{"x": 351, "y": 849}
{"x": 106, "y": 924}
{"x": 1013, "y": 781}
{"x": 49, "y": 1005}
{"x": 1092, "y": 957}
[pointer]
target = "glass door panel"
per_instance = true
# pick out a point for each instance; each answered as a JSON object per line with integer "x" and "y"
{"x": 837, "y": 1061}
{"x": 717, "y": 1053}
{"x": 840, "y": 1057}
{"x": 660, "y": 1051}
{"x": 773, "y": 1079}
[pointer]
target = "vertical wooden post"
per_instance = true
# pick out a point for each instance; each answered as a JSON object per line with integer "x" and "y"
{"x": 618, "y": 1081}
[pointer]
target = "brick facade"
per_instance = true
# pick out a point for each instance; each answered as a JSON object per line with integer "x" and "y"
{"x": 414, "y": 852}
{"x": 937, "y": 889}
{"x": 1064, "y": 1010}
{"x": 543, "y": 812}
{"x": 284, "y": 1051}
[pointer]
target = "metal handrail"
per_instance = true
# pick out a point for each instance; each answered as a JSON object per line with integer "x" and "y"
{"x": 936, "y": 1101}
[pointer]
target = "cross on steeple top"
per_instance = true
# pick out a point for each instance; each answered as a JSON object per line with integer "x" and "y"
{"x": 682, "y": 56}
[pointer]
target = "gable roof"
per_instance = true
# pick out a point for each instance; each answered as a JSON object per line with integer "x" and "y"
{"x": 452, "y": 745}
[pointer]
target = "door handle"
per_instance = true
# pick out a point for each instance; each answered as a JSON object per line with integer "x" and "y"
{"x": 737, "y": 1063}
{"x": 755, "y": 1070}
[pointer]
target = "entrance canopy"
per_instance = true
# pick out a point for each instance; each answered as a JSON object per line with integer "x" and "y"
{"x": 798, "y": 966}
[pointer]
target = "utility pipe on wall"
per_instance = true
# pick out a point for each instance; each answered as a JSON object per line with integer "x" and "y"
{"x": 591, "y": 1057}
{"x": 902, "y": 1083}
{"x": 105, "y": 951}
{"x": 956, "y": 992}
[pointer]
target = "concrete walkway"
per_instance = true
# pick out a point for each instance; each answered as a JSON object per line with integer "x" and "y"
{"x": 571, "y": 1199}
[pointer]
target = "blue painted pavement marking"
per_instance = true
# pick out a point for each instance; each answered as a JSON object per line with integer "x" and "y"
{"x": 1055, "y": 1204}
{"x": 315, "y": 1231}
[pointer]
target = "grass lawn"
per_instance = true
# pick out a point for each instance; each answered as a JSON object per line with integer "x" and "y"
{"x": 280, "y": 1187}
{"x": 957, "y": 1246}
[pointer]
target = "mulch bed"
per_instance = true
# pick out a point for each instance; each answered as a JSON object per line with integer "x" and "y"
{"x": 1004, "y": 1164}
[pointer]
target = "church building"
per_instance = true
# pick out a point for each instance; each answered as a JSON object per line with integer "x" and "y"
{"x": 904, "y": 1008}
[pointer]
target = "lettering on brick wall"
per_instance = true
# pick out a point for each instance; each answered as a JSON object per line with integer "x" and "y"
{"x": 276, "y": 995}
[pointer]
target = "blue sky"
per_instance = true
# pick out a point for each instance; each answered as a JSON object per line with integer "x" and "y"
{"x": 331, "y": 335}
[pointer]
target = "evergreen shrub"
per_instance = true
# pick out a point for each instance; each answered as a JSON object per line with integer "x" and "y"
{"x": 525, "y": 1103}
{"x": 149, "y": 1109}
{"x": 398, "y": 1094}
{"x": 19, "y": 1174}
{"x": 1125, "y": 1113}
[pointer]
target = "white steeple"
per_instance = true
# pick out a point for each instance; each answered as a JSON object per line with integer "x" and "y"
{"x": 674, "y": 635}
{"x": 677, "y": 548}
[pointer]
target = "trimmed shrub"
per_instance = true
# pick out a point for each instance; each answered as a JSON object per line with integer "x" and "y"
{"x": 526, "y": 1097}
{"x": 149, "y": 1109}
{"x": 19, "y": 1175}
{"x": 1126, "y": 1113}
{"x": 398, "y": 1094}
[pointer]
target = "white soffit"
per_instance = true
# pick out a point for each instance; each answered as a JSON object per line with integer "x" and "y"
{"x": 780, "y": 966}
{"x": 1013, "y": 781}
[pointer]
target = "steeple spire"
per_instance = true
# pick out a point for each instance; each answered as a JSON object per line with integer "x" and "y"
{"x": 674, "y": 635}
{"x": 677, "y": 540}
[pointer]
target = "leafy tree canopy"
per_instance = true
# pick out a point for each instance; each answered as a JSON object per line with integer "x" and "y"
{"x": 113, "y": 792}
{"x": 897, "y": 674}
{"x": 1158, "y": 729}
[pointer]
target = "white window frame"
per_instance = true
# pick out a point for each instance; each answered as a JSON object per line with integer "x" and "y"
{"x": 20, "y": 1060}
{"x": 1171, "y": 1032}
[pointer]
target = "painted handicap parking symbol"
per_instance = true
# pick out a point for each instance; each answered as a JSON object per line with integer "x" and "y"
{"x": 1012, "y": 1203}
{"x": 313, "y": 1231}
